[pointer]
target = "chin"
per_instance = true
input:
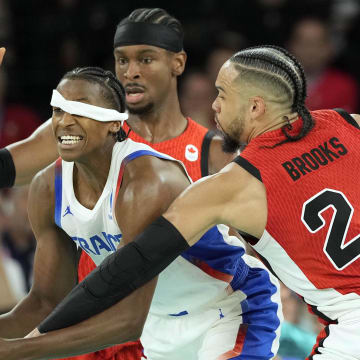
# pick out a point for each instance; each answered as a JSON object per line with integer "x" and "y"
{"x": 68, "y": 155}
{"x": 141, "y": 110}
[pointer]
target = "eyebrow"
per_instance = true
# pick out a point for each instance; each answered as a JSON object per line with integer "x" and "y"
{"x": 82, "y": 99}
{"x": 141, "y": 52}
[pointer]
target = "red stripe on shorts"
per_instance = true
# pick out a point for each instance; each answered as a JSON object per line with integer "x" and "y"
{"x": 239, "y": 344}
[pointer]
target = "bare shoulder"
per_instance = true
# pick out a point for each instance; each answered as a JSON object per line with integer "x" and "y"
{"x": 156, "y": 170}
{"x": 232, "y": 182}
{"x": 233, "y": 197}
{"x": 41, "y": 201}
{"x": 247, "y": 209}
{"x": 356, "y": 117}
{"x": 155, "y": 179}
{"x": 44, "y": 181}
{"x": 149, "y": 186}
{"x": 217, "y": 157}
{"x": 239, "y": 197}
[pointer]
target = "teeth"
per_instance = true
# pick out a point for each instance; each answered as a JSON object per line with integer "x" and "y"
{"x": 70, "y": 139}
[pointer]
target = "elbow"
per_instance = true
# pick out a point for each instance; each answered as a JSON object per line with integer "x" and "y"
{"x": 126, "y": 330}
{"x": 135, "y": 329}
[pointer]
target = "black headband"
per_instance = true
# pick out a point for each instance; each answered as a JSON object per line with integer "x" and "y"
{"x": 138, "y": 33}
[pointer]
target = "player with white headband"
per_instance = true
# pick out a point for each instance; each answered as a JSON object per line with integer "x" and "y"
{"x": 102, "y": 192}
{"x": 86, "y": 110}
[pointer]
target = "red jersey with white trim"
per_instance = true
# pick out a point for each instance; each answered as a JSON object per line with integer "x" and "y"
{"x": 187, "y": 147}
{"x": 312, "y": 236}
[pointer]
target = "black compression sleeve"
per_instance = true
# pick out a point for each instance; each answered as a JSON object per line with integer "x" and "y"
{"x": 119, "y": 275}
{"x": 7, "y": 169}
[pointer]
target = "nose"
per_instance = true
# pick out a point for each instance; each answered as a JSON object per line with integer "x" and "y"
{"x": 215, "y": 106}
{"x": 67, "y": 119}
{"x": 133, "y": 71}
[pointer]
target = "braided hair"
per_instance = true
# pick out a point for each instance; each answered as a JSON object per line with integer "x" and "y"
{"x": 275, "y": 66}
{"x": 154, "y": 16}
{"x": 112, "y": 90}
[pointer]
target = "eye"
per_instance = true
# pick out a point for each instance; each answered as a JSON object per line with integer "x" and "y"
{"x": 121, "y": 61}
{"x": 57, "y": 110}
{"x": 219, "y": 96}
{"x": 146, "y": 60}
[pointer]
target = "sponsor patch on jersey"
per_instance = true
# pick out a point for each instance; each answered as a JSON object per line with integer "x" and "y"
{"x": 191, "y": 152}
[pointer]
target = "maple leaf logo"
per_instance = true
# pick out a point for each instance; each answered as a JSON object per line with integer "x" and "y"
{"x": 191, "y": 152}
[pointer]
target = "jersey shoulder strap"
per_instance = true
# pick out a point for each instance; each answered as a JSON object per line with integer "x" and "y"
{"x": 205, "y": 150}
{"x": 344, "y": 114}
{"x": 248, "y": 166}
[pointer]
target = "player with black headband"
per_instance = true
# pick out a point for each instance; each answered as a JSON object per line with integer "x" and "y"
{"x": 213, "y": 300}
{"x": 293, "y": 189}
{"x": 149, "y": 57}
{"x": 155, "y": 115}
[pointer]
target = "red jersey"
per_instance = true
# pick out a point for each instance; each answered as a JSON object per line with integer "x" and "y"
{"x": 192, "y": 148}
{"x": 312, "y": 236}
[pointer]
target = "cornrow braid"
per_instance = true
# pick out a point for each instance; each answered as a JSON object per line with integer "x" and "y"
{"x": 113, "y": 91}
{"x": 282, "y": 68}
{"x": 154, "y": 16}
{"x": 300, "y": 108}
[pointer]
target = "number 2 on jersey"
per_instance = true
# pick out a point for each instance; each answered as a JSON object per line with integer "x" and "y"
{"x": 339, "y": 254}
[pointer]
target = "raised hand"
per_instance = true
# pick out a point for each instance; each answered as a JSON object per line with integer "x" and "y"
{"x": 2, "y": 53}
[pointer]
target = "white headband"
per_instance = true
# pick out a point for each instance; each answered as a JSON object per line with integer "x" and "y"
{"x": 82, "y": 109}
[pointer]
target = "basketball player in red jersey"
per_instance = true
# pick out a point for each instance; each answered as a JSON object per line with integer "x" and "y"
{"x": 293, "y": 189}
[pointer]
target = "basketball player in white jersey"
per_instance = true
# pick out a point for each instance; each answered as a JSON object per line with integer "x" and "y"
{"x": 211, "y": 303}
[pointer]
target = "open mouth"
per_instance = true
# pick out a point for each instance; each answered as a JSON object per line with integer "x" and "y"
{"x": 69, "y": 139}
{"x": 134, "y": 94}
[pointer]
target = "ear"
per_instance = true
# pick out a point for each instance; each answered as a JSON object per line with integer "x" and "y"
{"x": 178, "y": 63}
{"x": 257, "y": 107}
{"x": 115, "y": 127}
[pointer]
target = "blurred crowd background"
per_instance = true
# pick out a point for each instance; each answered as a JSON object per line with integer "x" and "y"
{"x": 44, "y": 39}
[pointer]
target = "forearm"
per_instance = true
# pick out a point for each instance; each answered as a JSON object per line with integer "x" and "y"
{"x": 79, "y": 339}
{"x": 29, "y": 155}
{"x": 23, "y": 318}
{"x": 55, "y": 345}
{"x": 121, "y": 323}
{"x": 119, "y": 275}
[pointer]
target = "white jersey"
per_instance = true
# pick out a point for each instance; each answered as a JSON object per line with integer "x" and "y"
{"x": 194, "y": 313}
{"x": 191, "y": 281}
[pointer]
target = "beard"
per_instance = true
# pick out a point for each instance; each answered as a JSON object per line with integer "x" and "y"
{"x": 230, "y": 145}
{"x": 141, "y": 110}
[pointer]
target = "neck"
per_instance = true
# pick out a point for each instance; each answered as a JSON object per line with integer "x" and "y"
{"x": 163, "y": 122}
{"x": 90, "y": 174}
{"x": 277, "y": 121}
